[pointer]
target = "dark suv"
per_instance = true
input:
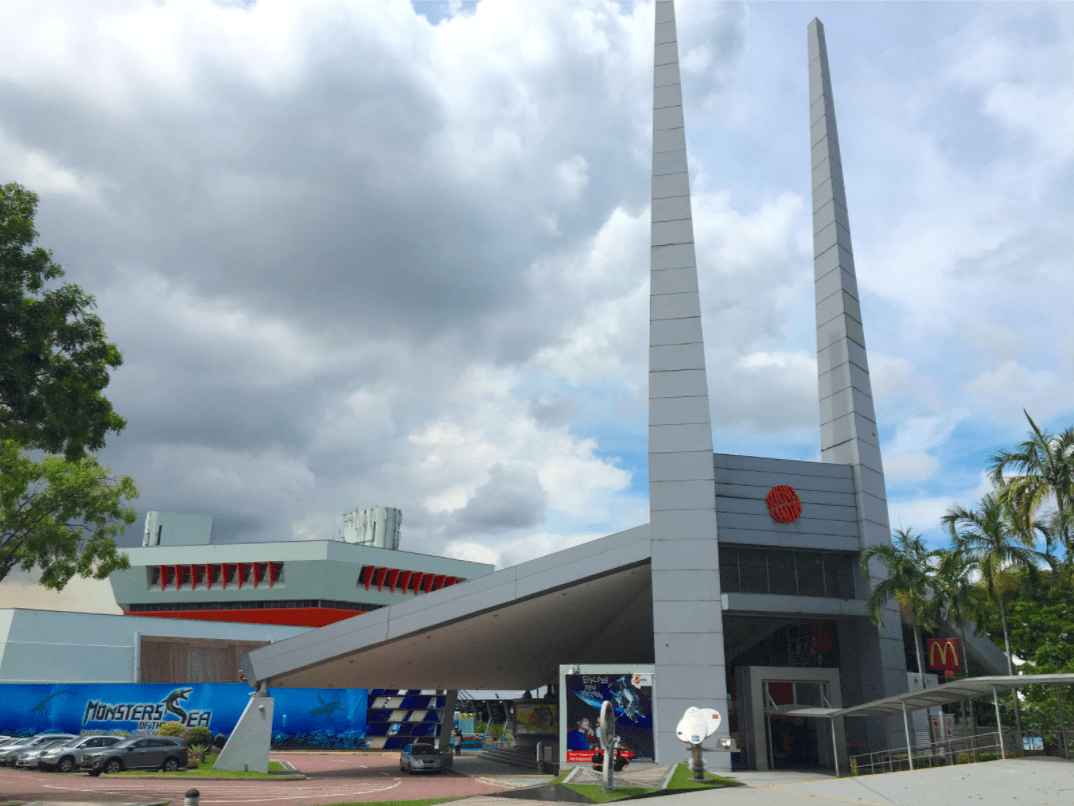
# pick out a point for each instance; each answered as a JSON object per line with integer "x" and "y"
{"x": 137, "y": 753}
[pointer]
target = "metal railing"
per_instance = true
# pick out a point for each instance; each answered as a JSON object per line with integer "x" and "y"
{"x": 961, "y": 750}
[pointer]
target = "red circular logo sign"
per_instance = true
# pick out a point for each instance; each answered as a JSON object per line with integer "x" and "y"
{"x": 784, "y": 505}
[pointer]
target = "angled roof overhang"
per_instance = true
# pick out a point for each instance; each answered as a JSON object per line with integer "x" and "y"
{"x": 508, "y": 630}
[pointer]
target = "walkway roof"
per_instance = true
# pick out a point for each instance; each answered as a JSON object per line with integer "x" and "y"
{"x": 926, "y": 698}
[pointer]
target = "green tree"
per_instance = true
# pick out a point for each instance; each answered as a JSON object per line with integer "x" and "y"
{"x": 989, "y": 537}
{"x": 60, "y": 516}
{"x": 962, "y": 601}
{"x": 911, "y": 581}
{"x": 54, "y": 357}
{"x": 1041, "y": 472}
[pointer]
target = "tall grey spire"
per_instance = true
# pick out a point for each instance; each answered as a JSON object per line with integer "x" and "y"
{"x": 848, "y": 432}
{"x": 687, "y": 618}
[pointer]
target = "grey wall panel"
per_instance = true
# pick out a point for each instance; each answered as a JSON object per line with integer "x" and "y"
{"x": 842, "y": 403}
{"x": 849, "y": 426}
{"x": 804, "y": 525}
{"x": 691, "y": 652}
{"x": 462, "y": 603}
{"x": 669, "y": 117}
{"x": 731, "y": 492}
{"x": 758, "y": 507}
{"x": 837, "y": 305}
{"x": 666, "y": 74}
{"x": 667, "y": 95}
{"x": 673, "y": 256}
{"x": 794, "y": 605}
{"x": 806, "y": 542}
{"x": 842, "y": 352}
{"x": 677, "y": 466}
{"x": 672, "y": 208}
{"x": 683, "y": 555}
{"x": 684, "y": 677}
{"x": 667, "y": 53}
{"x": 674, "y": 281}
{"x": 675, "y": 438}
{"x": 787, "y": 466}
{"x": 680, "y": 383}
{"x": 669, "y": 162}
{"x": 838, "y": 279}
{"x": 678, "y": 411}
{"x": 682, "y": 494}
{"x": 669, "y": 139}
{"x": 685, "y": 523}
{"x": 670, "y": 184}
{"x": 770, "y": 480}
{"x": 665, "y": 12}
{"x": 677, "y": 585}
{"x": 674, "y": 306}
{"x": 674, "y": 331}
{"x": 665, "y": 32}
{"x": 663, "y": 358}
{"x": 596, "y": 565}
{"x": 836, "y": 257}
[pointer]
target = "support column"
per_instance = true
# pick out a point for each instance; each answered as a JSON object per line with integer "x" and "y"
{"x": 687, "y": 609}
{"x": 848, "y": 432}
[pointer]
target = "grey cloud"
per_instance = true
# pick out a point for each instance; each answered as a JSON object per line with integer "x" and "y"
{"x": 512, "y": 498}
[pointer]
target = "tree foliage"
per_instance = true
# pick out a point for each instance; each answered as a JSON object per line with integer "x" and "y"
{"x": 54, "y": 356}
{"x": 58, "y": 514}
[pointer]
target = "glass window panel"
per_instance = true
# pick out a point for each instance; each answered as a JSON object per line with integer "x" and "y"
{"x": 807, "y": 694}
{"x": 833, "y": 581}
{"x": 782, "y": 581}
{"x": 755, "y": 558}
{"x": 729, "y": 579}
{"x": 754, "y": 579}
{"x": 780, "y": 559}
{"x": 810, "y": 576}
{"x": 728, "y": 556}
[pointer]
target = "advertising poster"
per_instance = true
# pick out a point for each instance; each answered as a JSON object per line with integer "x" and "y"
{"x": 536, "y": 719}
{"x": 302, "y": 717}
{"x": 632, "y": 695}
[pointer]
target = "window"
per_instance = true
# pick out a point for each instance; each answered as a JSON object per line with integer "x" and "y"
{"x": 199, "y": 575}
{"x": 185, "y": 572}
{"x": 782, "y": 572}
{"x": 154, "y": 575}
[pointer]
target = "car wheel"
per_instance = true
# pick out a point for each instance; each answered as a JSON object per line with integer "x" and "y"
{"x": 66, "y": 764}
{"x": 170, "y": 765}
{"x": 113, "y": 765}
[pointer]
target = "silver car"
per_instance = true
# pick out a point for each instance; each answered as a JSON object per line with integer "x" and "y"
{"x": 137, "y": 753}
{"x": 69, "y": 755}
{"x": 420, "y": 758}
{"x": 31, "y": 758}
{"x": 10, "y": 752}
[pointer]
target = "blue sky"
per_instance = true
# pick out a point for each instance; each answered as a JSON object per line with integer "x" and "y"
{"x": 362, "y": 253}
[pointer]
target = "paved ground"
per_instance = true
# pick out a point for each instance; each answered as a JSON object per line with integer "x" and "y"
{"x": 332, "y": 778}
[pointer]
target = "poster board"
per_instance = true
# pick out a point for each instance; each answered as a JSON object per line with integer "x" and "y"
{"x": 582, "y": 693}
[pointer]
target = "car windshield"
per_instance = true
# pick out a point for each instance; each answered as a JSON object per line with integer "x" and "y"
{"x": 422, "y": 750}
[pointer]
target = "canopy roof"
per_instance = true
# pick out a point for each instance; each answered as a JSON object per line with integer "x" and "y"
{"x": 929, "y": 697}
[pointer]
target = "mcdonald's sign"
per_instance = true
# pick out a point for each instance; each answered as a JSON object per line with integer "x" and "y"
{"x": 943, "y": 654}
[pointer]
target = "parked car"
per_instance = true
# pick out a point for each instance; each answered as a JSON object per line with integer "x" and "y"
{"x": 69, "y": 755}
{"x": 420, "y": 758}
{"x": 31, "y": 757}
{"x": 10, "y": 752}
{"x": 137, "y": 753}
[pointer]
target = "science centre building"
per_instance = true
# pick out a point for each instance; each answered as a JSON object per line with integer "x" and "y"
{"x": 741, "y": 593}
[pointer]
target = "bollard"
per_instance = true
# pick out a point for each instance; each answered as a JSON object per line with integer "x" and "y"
{"x": 540, "y": 756}
{"x": 192, "y": 797}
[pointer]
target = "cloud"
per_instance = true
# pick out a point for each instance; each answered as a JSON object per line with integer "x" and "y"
{"x": 512, "y": 498}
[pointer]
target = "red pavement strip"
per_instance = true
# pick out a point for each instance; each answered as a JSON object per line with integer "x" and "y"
{"x": 331, "y": 778}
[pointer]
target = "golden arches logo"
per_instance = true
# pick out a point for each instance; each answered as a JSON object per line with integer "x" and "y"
{"x": 943, "y": 653}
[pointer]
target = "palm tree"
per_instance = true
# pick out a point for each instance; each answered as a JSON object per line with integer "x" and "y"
{"x": 911, "y": 581}
{"x": 962, "y": 601}
{"x": 1043, "y": 470}
{"x": 988, "y": 537}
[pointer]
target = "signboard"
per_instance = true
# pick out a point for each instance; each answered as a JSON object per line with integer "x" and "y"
{"x": 632, "y": 697}
{"x": 302, "y": 717}
{"x": 943, "y": 654}
{"x": 536, "y": 719}
{"x": 784, "y": 505}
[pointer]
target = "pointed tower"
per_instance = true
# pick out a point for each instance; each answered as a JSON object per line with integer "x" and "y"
{"x": 847, "y": 417}
{"x": 687, "y": 614}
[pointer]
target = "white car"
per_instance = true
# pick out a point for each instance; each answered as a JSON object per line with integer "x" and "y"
{"x": 31, "y": 757}
{"x": 10, "y": 752}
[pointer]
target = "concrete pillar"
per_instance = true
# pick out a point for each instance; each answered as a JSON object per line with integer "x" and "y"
{"x": 847, "y": 415}
{"x": 247, "y": 747}
{"x": 687, "y": 613}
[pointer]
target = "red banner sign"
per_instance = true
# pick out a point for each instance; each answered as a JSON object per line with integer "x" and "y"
{"x": 943, "y": 654}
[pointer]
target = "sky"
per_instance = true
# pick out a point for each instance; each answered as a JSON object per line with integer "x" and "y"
{"x": 363, "y": 253}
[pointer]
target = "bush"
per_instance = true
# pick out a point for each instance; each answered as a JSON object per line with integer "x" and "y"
{"x": 199, "y": 735}
{"x": 170, "y": 729}
{"x": 219, "y": 740}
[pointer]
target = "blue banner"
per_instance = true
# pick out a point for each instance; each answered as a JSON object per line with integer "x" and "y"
{"x": 303, "y": 717}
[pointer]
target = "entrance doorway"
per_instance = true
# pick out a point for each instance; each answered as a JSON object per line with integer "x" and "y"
{"x": 774, "y": 739}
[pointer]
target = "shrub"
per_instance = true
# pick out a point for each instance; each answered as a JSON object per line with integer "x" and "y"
{"x": 219, "y": 740}
{"x": 197, "y": 735}
{"x": 171, "y": 729}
